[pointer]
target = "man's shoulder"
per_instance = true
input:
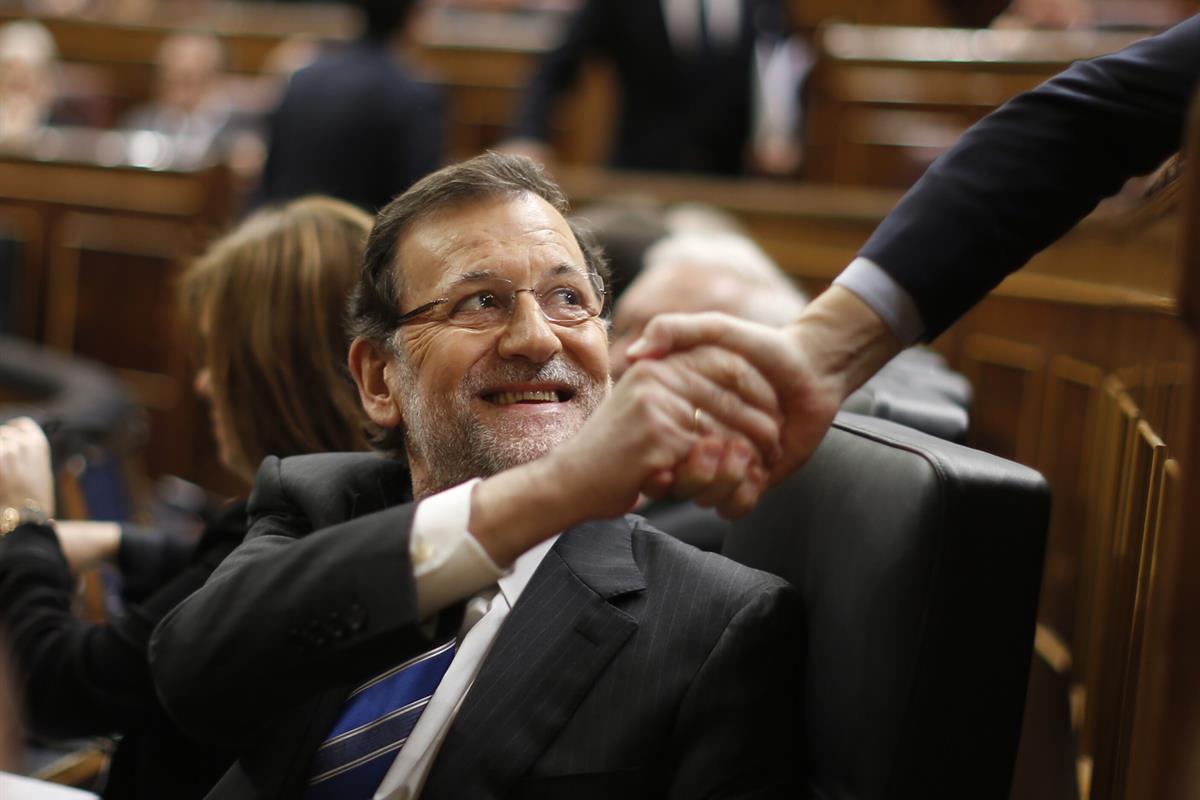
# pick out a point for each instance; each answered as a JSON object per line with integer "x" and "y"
{"x": 665, "y": 559}
{"x": 329, "y": 487}
{"x": 338, "y": 468}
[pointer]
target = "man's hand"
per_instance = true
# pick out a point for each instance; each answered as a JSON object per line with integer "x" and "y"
{"x": 25, "y": 474}
{"x": 813, "y": 364}
{"x": 645, "y": 436}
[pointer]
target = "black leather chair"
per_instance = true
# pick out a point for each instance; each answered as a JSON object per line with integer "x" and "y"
{"x": 912, "y": 406}
{"x": 78, "y": 402}
{"x": 919, "y": 562}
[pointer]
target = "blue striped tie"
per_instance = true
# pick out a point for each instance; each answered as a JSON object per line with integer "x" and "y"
{"x": 375, "y": 723}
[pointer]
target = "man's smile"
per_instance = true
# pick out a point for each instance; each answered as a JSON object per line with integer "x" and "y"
{"x": 526, "y": 395}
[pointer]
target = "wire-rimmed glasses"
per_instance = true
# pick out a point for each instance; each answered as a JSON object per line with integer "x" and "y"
{"x": 566, "y": 296}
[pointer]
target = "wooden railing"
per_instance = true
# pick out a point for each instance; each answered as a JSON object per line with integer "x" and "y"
{"x": 1162, "y": 726}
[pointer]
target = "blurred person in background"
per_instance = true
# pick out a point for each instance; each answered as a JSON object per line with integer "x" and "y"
{"x": 703, "y": 271}
{"x": 191, "y": 106}
{"x": 265, "y": 307}
{"x": 357, "y": 124}
{"x": 28, "y": 67}
{"x": 709, "y": 86}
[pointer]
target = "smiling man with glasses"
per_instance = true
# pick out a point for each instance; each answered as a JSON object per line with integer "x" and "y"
{"x": 511, "y": 633}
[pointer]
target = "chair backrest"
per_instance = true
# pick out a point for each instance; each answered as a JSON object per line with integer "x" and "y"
{"x": 919, "y": 562}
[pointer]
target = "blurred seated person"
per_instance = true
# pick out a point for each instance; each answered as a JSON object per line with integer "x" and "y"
{"x": 708, "y": 86}
{"x": 28, "y": 66}
{"x": 700, "y": 270}
{"x": 191, "y": 106}
{"x": 625, "y": 231}
{"x": 703, "y": 271}
{"x": 265, "y": 305}
{"x": 358, "y": 123}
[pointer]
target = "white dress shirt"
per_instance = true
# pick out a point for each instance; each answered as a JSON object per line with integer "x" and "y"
{"x": 888, "y": 299}
{"x": 449, "y": 565}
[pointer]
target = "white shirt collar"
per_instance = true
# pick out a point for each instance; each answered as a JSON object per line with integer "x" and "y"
{"x": 514, "y": 582}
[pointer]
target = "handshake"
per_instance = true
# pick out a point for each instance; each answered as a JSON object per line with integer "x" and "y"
{"x": 714, "y": 409}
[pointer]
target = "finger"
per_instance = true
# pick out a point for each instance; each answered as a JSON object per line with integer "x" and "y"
{"x": 668, "y": 333}
{"x": 726, "y": 410}
{"x": 659, "y": 484}
{"x": 699, "y": 469}
{"x": 743, "y": 500}
{"x": 736, "y": 458}
{"x": 733, "y": 372}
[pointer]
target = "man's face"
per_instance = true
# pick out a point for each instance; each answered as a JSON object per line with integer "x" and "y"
{"x": 475, "y": 402}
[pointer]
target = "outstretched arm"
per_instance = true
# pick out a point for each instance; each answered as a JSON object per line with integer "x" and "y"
{"x": 1011, "y": 186}
{"x": 813, "y": 364}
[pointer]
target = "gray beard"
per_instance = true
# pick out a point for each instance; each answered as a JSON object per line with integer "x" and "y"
{"x": 448, "y": 445}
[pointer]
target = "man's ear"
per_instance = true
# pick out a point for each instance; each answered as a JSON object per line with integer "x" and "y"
{"x": 368, "y": 365}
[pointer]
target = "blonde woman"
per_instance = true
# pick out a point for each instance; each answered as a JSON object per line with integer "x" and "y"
{"x": 264, "y": 305}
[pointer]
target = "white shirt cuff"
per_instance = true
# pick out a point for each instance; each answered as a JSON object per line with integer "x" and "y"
{"x": 448, "y": 563}
{"x": 888, "y": 299}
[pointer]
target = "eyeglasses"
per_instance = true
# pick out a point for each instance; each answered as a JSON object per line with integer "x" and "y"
{"x": 568, "y": 297}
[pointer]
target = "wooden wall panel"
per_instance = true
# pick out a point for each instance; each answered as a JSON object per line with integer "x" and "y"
{"x": 1007, "y": 402}
{"x": 111, "y": 290}
{"x": 1066, "y": 449}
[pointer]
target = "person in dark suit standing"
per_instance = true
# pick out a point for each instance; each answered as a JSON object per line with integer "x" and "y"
{"x": 358, "y": 124}
{"x": 608, "y": 661}
{"x": 686, "y": 76}
{"x": 1012, "y": 185}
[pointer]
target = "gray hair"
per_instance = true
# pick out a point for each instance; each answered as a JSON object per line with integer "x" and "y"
{"x": 766, "y": 293}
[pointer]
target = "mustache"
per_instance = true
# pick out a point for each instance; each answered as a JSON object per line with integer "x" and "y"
{"x": 556, "y": 370}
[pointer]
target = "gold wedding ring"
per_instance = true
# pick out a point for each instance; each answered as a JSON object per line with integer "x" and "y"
{"x": 697, "y": 420}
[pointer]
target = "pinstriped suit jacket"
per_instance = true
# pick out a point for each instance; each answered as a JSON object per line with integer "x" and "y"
{"x": 632, "y": 666}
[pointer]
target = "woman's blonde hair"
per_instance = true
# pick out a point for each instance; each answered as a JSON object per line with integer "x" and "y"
{"x": 264, "y": 306}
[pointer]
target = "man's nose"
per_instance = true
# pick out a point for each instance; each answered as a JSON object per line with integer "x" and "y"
{"x": 528, "y": 334}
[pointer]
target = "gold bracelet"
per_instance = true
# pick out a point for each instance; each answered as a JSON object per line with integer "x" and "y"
{"x": 29, "y": 512}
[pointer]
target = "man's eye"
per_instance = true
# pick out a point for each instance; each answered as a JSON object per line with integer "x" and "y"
{"x": 479, "y": 301}
{"x": 565, "y": 296}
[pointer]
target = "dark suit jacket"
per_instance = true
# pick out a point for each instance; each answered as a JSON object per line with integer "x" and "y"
{"x": 676, "y": 112}
{"x": 357, "y": 125}
{"x": 632, "y": 666}
{"x": 83, "y": 679}
{"x": 1025, "y": 175}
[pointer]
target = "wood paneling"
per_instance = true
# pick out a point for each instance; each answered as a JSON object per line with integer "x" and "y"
{"x": 886, "y": 100}
{"x": 109, "y": 244}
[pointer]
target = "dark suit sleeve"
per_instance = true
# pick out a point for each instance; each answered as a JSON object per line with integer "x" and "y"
{"x": 738, "y": 733}
{"x": 1022, "y": 177}
{"x": 80, "y": 678}
{"x": 273, "y": 625}
{"x": 587, "y": 30}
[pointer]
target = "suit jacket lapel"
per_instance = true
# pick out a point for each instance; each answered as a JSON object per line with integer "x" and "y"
{"x": 558, "y": 639}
